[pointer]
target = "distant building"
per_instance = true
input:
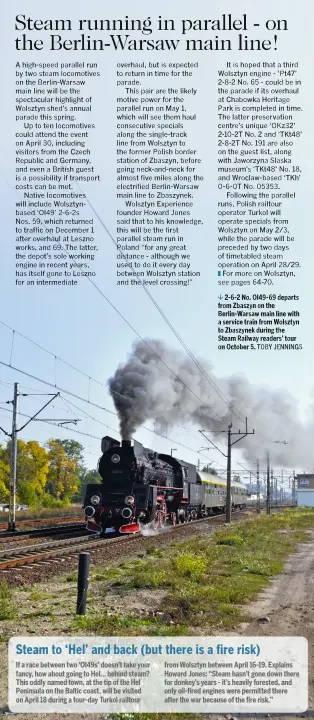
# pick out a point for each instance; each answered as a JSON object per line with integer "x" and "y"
{"x": 305, "y": 481}
{"x": 305, "y": 490}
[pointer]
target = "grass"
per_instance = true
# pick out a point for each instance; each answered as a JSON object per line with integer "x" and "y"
{"x": 8, "y": 608}
{"x": 205, "y": 581}
{"x": 38, "y": 595}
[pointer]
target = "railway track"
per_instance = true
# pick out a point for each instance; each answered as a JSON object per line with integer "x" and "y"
{"x": 56, "y": 551}
{"x": 33, "y": 555}
{"x": 44, "y": 531}
{"x": 39, "y": 521}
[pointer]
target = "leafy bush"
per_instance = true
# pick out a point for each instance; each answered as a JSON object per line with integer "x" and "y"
{"x": 191, "y": 566}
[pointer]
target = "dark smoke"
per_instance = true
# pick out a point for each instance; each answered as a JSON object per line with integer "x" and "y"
{"x": 154, "y": 393}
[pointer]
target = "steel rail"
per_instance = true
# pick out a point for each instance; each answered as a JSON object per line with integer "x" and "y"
{"x": 26, "y": 555}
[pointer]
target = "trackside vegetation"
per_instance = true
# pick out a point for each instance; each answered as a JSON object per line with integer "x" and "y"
{"x": 201, "y": 584}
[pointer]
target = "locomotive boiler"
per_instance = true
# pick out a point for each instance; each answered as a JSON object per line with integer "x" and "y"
{"x": 140, "y": 486}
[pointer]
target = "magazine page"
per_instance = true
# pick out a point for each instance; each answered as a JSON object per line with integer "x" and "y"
{"x": 156, "y": 393}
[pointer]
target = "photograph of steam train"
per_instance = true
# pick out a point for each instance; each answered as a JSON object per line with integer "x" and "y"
{"x": 141, "y": 487}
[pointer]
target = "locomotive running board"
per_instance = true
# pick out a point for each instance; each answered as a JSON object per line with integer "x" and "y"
{"x": 131, "y": 528}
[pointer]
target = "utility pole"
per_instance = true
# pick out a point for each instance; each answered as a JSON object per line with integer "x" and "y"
{"x": 271, "y": 487}
{"x": 240, "y": 436}
{"x": 228, "y": 498}
{"x": 12, "y": 504}
{"x": 13, "y": 436}
{"x": 267, "y": 484}
{"x": 293, "y": 488}
{"x": 276, "y": 492}
{"x": 258, "y": 495}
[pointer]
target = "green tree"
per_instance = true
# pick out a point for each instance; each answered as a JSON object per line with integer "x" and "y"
{"x": 63, "y": 478}
{"x": 32, "y": 466}
{"x": 50, "y": 476}
{"x": 74, "y": 450}
{"x": 86, "y": 477}
{"x": 4, "y": 475}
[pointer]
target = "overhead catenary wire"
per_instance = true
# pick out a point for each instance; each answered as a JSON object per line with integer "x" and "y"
{"x": 69, "y": 403}
{"x": 79, "y": 432}
{"x": 163, "y": 315}
{"x": 166, "y": 319}
{"x": 94, "y": 437}
{"x": 100, "y": 407}
{"x": 97, "y": 381}
{"x": 127, "y": 323}
{"x": 91, "y": 417}
{"x": 181, "y": 341}
{"x": 87, "y": 452}
{"x": 23, "y": 437}
{"x": 55, "y": 357}
{"x": 46, "y": 422}
{"x": 189, "y": 430}
{"x": 155, "y": 432}
{"x": 211, "y": 382}
{"x": 26, "y": 387}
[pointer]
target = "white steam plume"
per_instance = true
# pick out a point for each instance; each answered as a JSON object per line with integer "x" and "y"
{"x": 155, "y": 393}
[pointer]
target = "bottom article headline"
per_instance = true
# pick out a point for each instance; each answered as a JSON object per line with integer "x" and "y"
{"x": 162, "y": 674}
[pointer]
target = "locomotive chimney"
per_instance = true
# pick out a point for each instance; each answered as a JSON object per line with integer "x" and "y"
{"x": 126, "y": 443}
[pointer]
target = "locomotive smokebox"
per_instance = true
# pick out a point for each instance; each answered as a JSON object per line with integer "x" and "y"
{"x": 126, "y": 443}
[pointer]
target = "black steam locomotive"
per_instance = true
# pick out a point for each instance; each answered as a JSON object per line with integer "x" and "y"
{"x": 140, "y": 486}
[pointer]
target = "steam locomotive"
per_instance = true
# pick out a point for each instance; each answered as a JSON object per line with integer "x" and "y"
{"x": 140, "y": 486}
